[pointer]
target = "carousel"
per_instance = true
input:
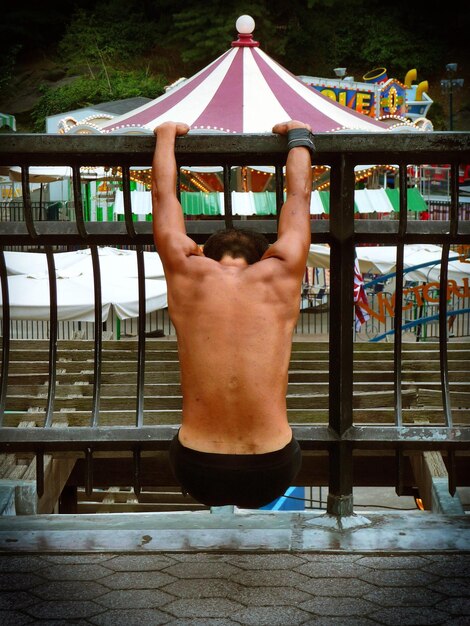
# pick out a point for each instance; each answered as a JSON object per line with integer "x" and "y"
{"x": 242, "y": 91}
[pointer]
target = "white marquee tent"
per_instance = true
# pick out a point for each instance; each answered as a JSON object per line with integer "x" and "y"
{"x": 382, "y": 260}
{"x": 29, "y": 291}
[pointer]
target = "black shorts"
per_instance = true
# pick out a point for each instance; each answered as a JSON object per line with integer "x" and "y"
{"x": 244, "y": 480}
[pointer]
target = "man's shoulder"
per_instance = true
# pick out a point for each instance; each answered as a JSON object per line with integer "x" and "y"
{"x": 271, "y": 268}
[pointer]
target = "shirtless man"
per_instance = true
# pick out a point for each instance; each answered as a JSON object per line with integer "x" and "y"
{"x": 234, "y": 307}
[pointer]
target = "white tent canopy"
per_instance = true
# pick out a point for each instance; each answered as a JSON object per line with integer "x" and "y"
{"x": 243, "y": 203}
{"x": 382, "y": 260}
{"x": 29, "y": 290}
{"x": 372, "y": 201}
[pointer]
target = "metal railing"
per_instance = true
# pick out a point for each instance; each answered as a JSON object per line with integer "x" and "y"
{"x": 342, "y": 152}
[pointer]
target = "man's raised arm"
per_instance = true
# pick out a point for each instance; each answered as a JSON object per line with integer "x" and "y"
{"x": 293, "y": 240}
{"x": 169, "y": 231}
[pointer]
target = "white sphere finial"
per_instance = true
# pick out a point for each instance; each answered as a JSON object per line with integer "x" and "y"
{"x": 245, "y": 24}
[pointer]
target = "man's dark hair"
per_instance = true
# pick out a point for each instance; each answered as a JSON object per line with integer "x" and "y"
{"x": 238, "y": 243}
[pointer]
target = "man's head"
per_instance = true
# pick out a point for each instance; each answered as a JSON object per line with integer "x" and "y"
{"x": 237, "y": 243}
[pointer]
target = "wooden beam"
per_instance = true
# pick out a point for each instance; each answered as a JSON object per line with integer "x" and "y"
{"x": 432, "y": 480}
{"x": 57, "y": 470}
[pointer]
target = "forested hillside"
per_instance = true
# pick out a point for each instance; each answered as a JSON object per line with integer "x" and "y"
{"x": 56, "y": 58}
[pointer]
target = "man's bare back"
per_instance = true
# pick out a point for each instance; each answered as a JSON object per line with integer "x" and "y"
{"x": 234, "y": 324}
{"x": 234, "y": 321}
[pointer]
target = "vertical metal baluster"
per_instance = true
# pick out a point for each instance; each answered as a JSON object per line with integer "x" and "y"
{"x": 52, "y": 336}
{"x": 78, "y": 201}
{"x": 88, "y": 472}
{"x": 27, "y": 207}
{"x": 178, "y": 184}
{"x": 398, "y": 321}
{"x": 137, "y": 471}
{"x": 454, "y": 202}
{"x": 341, "y": 362}
{"x": 5, "y": 335}
{"x": 443, "y": 355}
{"x": 279, "y": 190}
{"x": 141, "y": 342}
{"x": 399, "y": 483}
{"x": 454, "y": 199}
{"x": 98, "y": 343}
{"x": 452, "y": 470}
{"x": 40, "y": 473}
{"x": 227, "y": 197}
{"x": 443, "y": 285}
{"x": 126, "y": 194}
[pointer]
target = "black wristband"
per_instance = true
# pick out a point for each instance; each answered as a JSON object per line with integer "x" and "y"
{"x": 300, "y": 137}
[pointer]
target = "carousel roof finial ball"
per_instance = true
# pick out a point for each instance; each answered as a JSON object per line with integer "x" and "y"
{"x": 245, "y": 24}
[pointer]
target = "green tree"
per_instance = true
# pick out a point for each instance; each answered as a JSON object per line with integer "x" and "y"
{"x": 83, "y": 92}
{"x": 111, "y": 35}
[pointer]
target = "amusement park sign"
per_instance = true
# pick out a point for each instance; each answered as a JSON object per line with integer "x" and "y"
{"x": 415, "y": 296}
{"x": 377, "y": 96}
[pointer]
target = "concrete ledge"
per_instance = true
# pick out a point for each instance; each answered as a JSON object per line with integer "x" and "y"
{"x": 24, "y": 496}
{"x": 7, "y": 500}
{"x": 242, "y": 531}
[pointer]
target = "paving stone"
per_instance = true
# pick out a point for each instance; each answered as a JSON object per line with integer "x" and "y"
{"x": 197, "y": 557}
{"x": 404, "y": 596}
{"x": 69, "y": 622}
{"x": 69, "y": 559}
{"x": 72, "y": 590}
{"x": 396, "y": 578}
{"x": 64, "y": 609}
{"x": 79, "y": 571}
{"x": 452, "y": 586}
{"x": 210, "y": 569}
{"x": 342, "y": 587}
{"x": 203, "y": 607}
{"x": 455, "y": 606}
{"x": 342, "y": 559}
{"x": 137, "y": 580}
{"x": 14, "y": 618}
{"x": 338, "y": 606}
{"x": 333, "y": 567}
{"x": 343, "y": 621}
{"x": 266, "y": 561}
{"x": 408, "y": 616}
{"x": 392, "y": 562}
{"x": 271, "y": 616}
{"x": 135, "y": 599}
{"x": 271, "y": 596}
{"x": 203, "y": 622}
{"x": 19, "y": 581}
{"x": 145, "y": 617}
{"x": 139, "y": 563}
{"x": 448, "y": 565}
{"x": 276, "y": 578}
{"x": 10, "y": 600}
{"x": 203, "y": 588}
{"x": 457, "y": 621}
{"x": 25, "y": 563}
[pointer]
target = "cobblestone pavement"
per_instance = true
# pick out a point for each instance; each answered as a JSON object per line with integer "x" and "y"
{"x": 215, "y": 589}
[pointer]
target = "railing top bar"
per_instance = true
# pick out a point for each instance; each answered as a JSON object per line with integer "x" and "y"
{"x": 115, "y": 233}
{"x": 13, "y": 439}
{"x": 42, "y": 149}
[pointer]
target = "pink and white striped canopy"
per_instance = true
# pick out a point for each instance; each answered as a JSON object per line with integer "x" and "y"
{"x": 243, "y": 91}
